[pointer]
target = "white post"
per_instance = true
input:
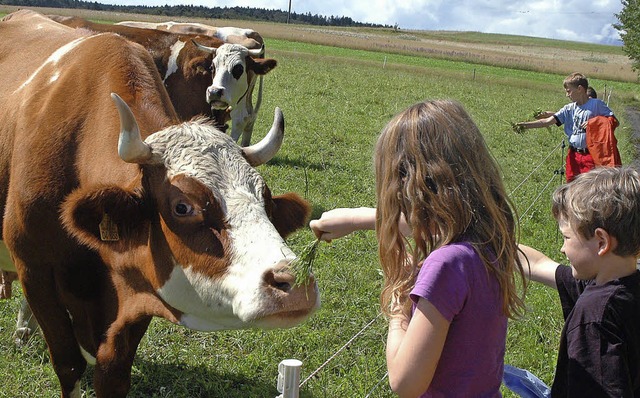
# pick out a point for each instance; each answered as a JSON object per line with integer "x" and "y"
{"x": 289, "y": 378}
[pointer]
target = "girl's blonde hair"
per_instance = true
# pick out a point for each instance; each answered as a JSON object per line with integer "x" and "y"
{"x": 433, "y": 166}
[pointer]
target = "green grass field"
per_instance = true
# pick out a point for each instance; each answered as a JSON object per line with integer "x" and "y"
{"x": 335, "y": 102}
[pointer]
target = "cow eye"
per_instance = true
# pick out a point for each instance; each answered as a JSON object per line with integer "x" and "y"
{"x": 237, "y": 71}
{"x": 183, "y": 209}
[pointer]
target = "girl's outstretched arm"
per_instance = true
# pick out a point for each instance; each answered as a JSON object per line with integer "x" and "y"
{"x": 340, "y": 222}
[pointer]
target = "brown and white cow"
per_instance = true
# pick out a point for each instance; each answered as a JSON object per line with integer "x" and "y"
{"x": 239, "y": 98}
{"x": 248, "y": 38}
{"x": 185, "y": 70}
{"x": 115, "y": 214}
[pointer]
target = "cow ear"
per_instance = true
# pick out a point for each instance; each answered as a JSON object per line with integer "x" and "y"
{"x": 261, "y": 66}
{"x": 198, "y": 66}
{"x": 290, "y": 213}
{"x": 107, "y": 215}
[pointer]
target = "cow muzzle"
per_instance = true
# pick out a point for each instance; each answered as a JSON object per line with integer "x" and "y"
{"x": 214, "y": 98}
{"x": 290, "y": 302}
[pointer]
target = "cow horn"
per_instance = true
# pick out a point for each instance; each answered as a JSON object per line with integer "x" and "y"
{"x": 257, "y": 52}
{"x": 131, "y": 148}
{"x": 267, "y": 148}
{"x": 211, "y": 50}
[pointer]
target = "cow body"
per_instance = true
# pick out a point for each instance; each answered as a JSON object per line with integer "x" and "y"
{"x": 248, "y": 38}
{"x": 107, "y": 230}
{"x": 238, "y": 95}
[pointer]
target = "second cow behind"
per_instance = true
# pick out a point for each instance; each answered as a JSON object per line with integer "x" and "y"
{"x": 198, "y": 82}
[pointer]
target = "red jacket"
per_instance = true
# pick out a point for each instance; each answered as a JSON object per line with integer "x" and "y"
{"x": 601, "y": 141}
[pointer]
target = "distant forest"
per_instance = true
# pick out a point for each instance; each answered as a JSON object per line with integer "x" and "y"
{"x": 241, "y": 13}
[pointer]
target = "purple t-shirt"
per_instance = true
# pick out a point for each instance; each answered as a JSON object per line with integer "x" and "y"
{"x": 454, "y": 279}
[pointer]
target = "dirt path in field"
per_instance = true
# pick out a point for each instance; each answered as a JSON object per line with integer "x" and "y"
{"x": 633, "y": 116}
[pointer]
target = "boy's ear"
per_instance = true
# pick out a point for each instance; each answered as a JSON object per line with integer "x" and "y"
{"x": 606, "y": 242}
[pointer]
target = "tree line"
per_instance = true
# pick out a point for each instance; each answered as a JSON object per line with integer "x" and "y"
{"x": 239, "y": 13}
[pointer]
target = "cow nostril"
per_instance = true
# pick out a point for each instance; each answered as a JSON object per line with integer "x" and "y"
{"x": 279, "y": 279}
{"x": 215, "y": 92}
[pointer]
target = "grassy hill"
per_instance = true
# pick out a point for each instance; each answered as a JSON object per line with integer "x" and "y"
{"x": 519, "y": 52}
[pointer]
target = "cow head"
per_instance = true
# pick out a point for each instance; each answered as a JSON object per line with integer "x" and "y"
{"x": 234, "y": 68}
{"x": 188, "y": 74}
{"x": 201, "y": 229}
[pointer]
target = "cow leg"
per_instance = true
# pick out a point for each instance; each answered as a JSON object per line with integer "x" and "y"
{"x": 112, "y": 375}
{"x": 236, "y": 128}
{"x": 6, "y": 279}
{"x": 26, "y": 325}
{"x": 249, "y": 121}
{"x": 249, "y": 114}
{"x": 57, "y": 330}
{"x": 239, "y": 119}
{"x": 7, "y": 272}
{"x": 256, "y": 108}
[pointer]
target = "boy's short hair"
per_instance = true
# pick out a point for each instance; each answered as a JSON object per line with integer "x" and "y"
{"x": 607, "y": 198}
{"x": 576, "y": 79}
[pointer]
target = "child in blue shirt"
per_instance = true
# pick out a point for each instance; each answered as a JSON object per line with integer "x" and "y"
{"x": 574, "y": 117}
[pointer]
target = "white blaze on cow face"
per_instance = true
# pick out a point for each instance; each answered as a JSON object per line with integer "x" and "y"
{"x": 172, "y": 65}
{"x": 253, "y": 250}
{"x": 230, "y": 82}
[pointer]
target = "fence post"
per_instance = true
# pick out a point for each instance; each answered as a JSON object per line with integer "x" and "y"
{"x": 289, "y": 378}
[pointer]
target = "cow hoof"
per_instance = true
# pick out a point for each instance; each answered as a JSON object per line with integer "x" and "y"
{"x": 21, "y": 336}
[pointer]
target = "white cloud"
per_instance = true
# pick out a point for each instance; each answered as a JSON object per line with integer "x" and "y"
{"x": 559, "y": 19}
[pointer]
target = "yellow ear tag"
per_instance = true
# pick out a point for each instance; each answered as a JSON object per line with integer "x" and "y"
{"x": 108, "y": 229}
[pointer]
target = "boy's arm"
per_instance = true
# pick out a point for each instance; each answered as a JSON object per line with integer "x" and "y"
{"x": 544, "y": 114}
{"x": 535, "y": 124}
{"x": 542, "y": 269}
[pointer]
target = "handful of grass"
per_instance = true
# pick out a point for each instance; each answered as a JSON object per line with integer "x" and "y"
{"x": 517, "y": 129}
{"x": 537, "y": 113}
{"x": 302, "y": 266}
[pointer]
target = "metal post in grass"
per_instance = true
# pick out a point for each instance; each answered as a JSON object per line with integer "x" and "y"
{"x": 289, "y": 378}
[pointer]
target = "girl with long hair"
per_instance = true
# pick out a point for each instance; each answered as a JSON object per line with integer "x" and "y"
{"x": 447, "y": 244}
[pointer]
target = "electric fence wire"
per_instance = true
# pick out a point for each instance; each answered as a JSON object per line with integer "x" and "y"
{"x": 348, "y": 343}
{"x": 537, "y": 167}
{"x": 537, "y": 197}
{"x": 377, "y": 384}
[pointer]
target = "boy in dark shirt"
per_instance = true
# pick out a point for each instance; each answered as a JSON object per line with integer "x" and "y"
{"x": 599, "y": 217}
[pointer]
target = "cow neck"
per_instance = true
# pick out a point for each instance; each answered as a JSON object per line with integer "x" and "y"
{"x": 243, "y": 95}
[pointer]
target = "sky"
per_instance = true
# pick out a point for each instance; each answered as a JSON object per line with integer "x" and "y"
{"x": 579, "y": 20}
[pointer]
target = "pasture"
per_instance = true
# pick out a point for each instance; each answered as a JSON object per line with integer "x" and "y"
{"x": 335, "y": 102}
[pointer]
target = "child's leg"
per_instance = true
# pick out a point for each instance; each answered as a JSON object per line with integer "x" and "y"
{"x": 571, "y": 169}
